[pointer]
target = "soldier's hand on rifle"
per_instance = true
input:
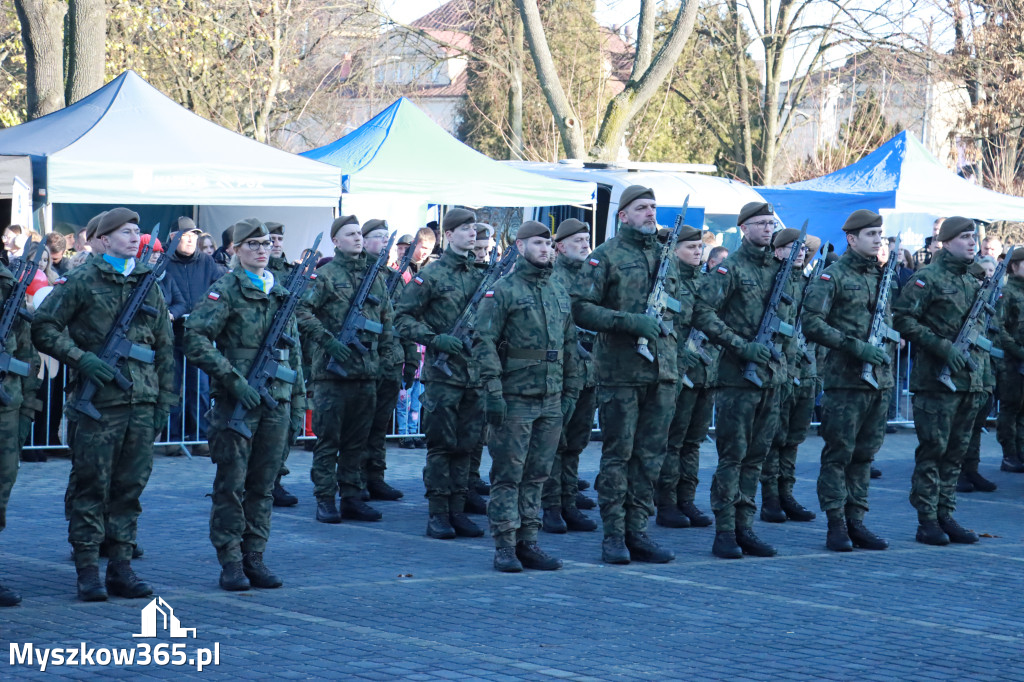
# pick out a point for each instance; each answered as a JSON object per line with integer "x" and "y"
{"x": 568, "y": 406}
{"x": 94, "y": 369}
{"x": 955, "y": 359}
{"x": 446, "y": 343}
{"x": 495, "y": 408}
{"x": 640, "y": 325}
{"x": 755, "y": 352}
{"x": 866, "y": 352}
{"x": 297, "y": 423}
{"x": 688, "y": 359}
{"x": 243, "y": 392}
{"x": 337, "y": 350}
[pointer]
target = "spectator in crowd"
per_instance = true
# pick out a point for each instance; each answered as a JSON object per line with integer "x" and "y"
{"x": 57, "y": 244}
{"x": 222, "y": 256}
{"x": 207, "y": 245}
{"x": 424, "y": 250}
{"x": 931, "y": 246}
{"x": 991, "y": 246}
{"x": 10, "y": 236}
{"x": 905, "y": 270}
{"x": 716, "y": 256}
{"x": 79, "y": 243}
{"x": 408, "y": 410}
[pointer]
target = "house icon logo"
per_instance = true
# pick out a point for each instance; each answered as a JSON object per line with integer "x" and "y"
{"x": 151, "y": 617}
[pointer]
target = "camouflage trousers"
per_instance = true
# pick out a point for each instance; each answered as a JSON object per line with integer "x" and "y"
{"x": 853, "y": 428}
{"x": 375, "y": 462}
{"x": 113, "y": 458}
{"x": 1010, "y": 423}
{"x": 564, "y": 482}
{"x": 246, "y": 470}
{"x": 972, "y": 459}
{"x": 944, "y": 423}
{"x": 476, "y": 455}
{"x": 521, "y": 449}
{"x": 10, "y": 451}
{"x": 796, "y": 408}
{"x": 690, "y": 423}
{"x": 451, "y": 426}
{"x": 747, "y": 421}
{"x": 634, "y": 426}
{"x": 342, "y": 417}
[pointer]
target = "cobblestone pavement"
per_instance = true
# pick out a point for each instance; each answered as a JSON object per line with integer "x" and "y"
{"x": 382, "y": 601}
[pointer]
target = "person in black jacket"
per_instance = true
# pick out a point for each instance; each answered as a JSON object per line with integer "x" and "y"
{"x": 222, "y": 256}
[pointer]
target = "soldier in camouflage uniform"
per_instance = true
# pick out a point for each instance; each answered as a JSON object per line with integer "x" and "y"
{"x": 561, "y": 490}
{"x": 677, "y": 483}
{"x": 235, "y": 315}
{"x": 1010, "y": 423}
{"x": 526, "y": 343}
{"x": 113, "y": 455}
{"x": 929, "y": 313}
{"x": 635, "y": 397}
{"x": 343, "y": 406}
{"x": 453, "y": 405}
{"x": 729, "y": 307}
{"x": 838, "y": 311}
{"x": 796, "y": 403}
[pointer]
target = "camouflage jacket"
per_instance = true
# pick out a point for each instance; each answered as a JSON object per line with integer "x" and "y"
{"x": 797, "y": 364}
{"x": 838, "y": 309}
{"x": 429, "y": 306}
{"x": 700, "y": 374}
{"x": 235, "y": 315}
{"x": 1010, "y": 324}
{"x": 526, "y": 339}
{"x": 19, "y": 344}
{"x": 730, "y": 304}
{"x": 280, "y": 267}
{"x": 323, "y": 309}
{"x": 616, "y": 279}
{"x": 86, "y": 303}
{"x": 565, "y": 273}
{"x": 929, "y": 313}
{"x": 408, "y": 354}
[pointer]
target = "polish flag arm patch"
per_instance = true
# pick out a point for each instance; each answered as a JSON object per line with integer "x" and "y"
{"x": 488, "y": 294}
{"x": 595, "y": 262}
{"x": 213, "y": 296}
{"x": 418, "y": 280}
{"x": 825, "y": 276}
{"x": 723, "y": 270}
{"x": 919, "y": 283}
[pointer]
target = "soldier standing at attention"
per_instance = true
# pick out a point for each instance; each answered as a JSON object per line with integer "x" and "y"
{"x": 453, "y": 405}
{"x": 729, "y": 307}
{"x": 561, "y": 512}
{"x": 635, "y": 397}
{"x": 677, "y": 483}
{"x": 929, "y": 313}
{"x": 838, "y": 312}
{"x": 113, "y": 455}
{"x": 343, "y": 406}
{"x": 527, "y": 350}
{"x": 1010, "y": 385}
{"x": 235, "y": 315}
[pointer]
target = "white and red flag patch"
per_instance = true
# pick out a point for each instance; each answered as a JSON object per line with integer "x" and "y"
{"x": 919, "y": 283}
{"x": 825, "y": 276}
{"x": 594, "y": 262}
{"x": 723, "y": 270}
{"x": 213, "y": 296}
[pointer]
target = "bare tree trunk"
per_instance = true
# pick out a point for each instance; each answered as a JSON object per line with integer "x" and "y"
{"x": 774, "y": 51}
{"x": 515, "y": 91}
{"x": 746, "y": 144}
{"x": 275, "y": 40}
{"x": 644, "y": 39}
{"x": 42, "y": 32}
{"x": 87, "y": 48}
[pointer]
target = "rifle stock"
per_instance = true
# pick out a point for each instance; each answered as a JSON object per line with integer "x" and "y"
{"x": 658, "y": 300}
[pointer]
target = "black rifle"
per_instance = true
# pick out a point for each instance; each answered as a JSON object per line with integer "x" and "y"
{"x": 881, "y": 333}
{"x": 580, "y": 348}
{"x": 464, "y": 323}
{"x": 355, "y": 320}
{"x": 147, "y": 250}
{"x": 658, "y": 301}
{"x": 972, "y": 332}
{"x": 267, "y": 365}
{"x": 23, "y": 276}
{"x": 771, "y": 323}
{"x": 116, "y": 347}
{"x": 695, "y": 343}
{"x": 801, "y": 341}
{"x": 403, "y": 265}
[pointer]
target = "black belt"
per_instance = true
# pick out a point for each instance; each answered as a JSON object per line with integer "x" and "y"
{"x": 526, "y": 354}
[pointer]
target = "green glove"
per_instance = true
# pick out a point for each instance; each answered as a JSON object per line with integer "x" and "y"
{"x": 495, "y": 409}
{"x": 337, "y": 350}
{"x": 408, "y": 375}
{"x": 688, "y": 359}
{"x": 755, "y": 352}
{"x": 872, "y": 354}
{"x": 640, "y": 326}
{"x": 244, "y": 393}
{"x": 160, "y": 414}
{"x": 446, "y": 343}
{"x": 297, "y": 421}
{"x": 568, "y": 406}
{"x": 94, "y": 369}
{"x": 955, "y": 359}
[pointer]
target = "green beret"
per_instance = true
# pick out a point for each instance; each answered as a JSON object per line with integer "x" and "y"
{"x": 115, "y": 218}
{"x": 484, "y": 231}
{"x": 813, "y": 244}
{"x": 831, "y": 257}
{"x": 753, "y": 209}
{"x": 374, "y": 224}
{"x": 1018, "y": 254}
{"x": 632, "y": 193}
{"x": 954, "y": 227}
{"x": 688, "y": 233}
{"x": 456, "y": 218}
{"x": 247, "y": 229}
{"x": 186, "y": 224}
{"x": 531, "y": 228}
{"x": 275, "y": 228}
{"x": 94, "y": 222}
{"x": 860, "y": 219}
{"x": 569, "y": 227}
{"x": 341, "y": 221}
{"x": 784, "y": 237}
{"x": 405, "y": 239}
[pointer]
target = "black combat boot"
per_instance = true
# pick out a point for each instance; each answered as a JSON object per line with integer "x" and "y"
{"x": 669, "y": 516}
{"x": 283, "y": 498}
{"x": 613, "y": 550}
{"x": 327, "y": 511}
{"x": 771, "y": 509}
{"x": 380, "y": 490}
{"x": 533, "y": 557}
{"x": 1012, "y": 462}
{"x": 553, "y": 521}
{"x": 122, "y": 581}
{"x": 956, "y": 532}
{"x": 364, "y": 495}
{"x": 963, "y": 484}
{"x": 475, "y": 504}
{"x": 464, "y": 526}
{"x": 232, "y": 578}
{"x": 643, "y": 548}
{"x": 9, "y": 597}
{"x": 838, "y": 538}
{"x": 698, "y": 519}
{"x": 930, "y": 532}
{"x": 863, "y": 538}
{"x": 582, "y": 484}
{"x": 137, "y": 551}
{"x": 89, "y": 586}
{"x": 725, "y": 546}
{"x": 794, "y": 510}
{"x": 576, "y": 520}
{"x": 257, "y": 572}
{"x": 584, "y": 502}
{"x": 357, "y": 510}
{"x": 753, "y": 545}
{"x": 875, "y": 473}
{"x": 505, "y": 560}
{"x": 480, "y": 487}
{"x": 980, "y": 483}
{"x": 439, "y": 527}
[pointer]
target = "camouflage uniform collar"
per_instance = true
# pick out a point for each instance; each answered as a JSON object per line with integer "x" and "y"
{"x": 947, "y": 261}
{"x": 859, "y": 262}
{"x": 687, "y": 271}
{"x": 531, "y": 272}
{"x": 455, "y": 260}
{"x": 345, "y": 259}
{"x": 1015, "y": 282}
{"x": 758, "y": 254}
{"x": 568, "y": 263}
{"x": 634, "y": 236}
{"x": 5, "y": 272}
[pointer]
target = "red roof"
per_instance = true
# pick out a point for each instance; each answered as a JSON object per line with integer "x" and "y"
{"x": 456, "y": 15}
